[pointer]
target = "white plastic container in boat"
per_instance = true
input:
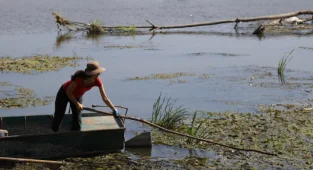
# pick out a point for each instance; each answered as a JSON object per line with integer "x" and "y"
{"x": 3, "y": 133}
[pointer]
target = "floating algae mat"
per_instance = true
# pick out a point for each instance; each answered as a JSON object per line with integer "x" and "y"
{"x": 123, "y": 161}
{"x": 21, "y": 98}
{"x": 174, "y": 78}
{"x": 123, "y": 46}
{"x": 216, "y": 54}
{"x": 163, "y": 76}
{"x": 288, "y": 28}
{"x": 41, "y": 63}
{"x": 287, "y": 132}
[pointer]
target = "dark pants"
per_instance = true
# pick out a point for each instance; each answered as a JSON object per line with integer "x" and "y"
{"x": 60, "y": 108}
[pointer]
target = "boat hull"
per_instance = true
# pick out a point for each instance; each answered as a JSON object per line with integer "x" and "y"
{"x": 34, "y": 138}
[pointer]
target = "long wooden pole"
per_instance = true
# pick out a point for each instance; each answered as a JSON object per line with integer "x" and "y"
{"x": 31, "y": 160}
{"x": 180, "y": 134}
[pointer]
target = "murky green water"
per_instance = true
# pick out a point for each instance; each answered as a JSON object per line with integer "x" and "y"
{"x": 27, "y": 28}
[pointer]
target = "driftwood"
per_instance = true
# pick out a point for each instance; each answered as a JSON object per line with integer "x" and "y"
{"x": 89, "y": 27}
{"x": 180, "y": 134}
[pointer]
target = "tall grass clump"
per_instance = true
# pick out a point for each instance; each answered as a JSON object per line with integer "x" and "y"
{"x": 282, "y": 65}
{"x": 191, "y": 129}
{"x": 95, "y": 27}
{"x": 196, "y": 127}
{"x": 166, "y": 114}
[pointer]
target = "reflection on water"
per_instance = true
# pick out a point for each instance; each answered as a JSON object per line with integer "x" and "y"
{"x": 66, "y": 37}
{"x": 163, "y": 151}
{"x": 62, "y": 38}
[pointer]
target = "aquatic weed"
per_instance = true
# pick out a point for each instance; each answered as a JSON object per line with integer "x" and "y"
{"x": 123, "y": 46}
{"x": 131, "y": 29}
{"x": 166, "y": 114}
{"x": 95, "y": 27}
{"x": 163, "y": 76}
{"x": 191, "y": 129}
{"x": 282, "y": 65}
{"x": 23, "y": 97}
{"x": 38, "y": 63}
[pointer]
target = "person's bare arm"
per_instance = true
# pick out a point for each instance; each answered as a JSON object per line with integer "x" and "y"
{"x": 70, "y": 95}
{"x": 105, "y": 98}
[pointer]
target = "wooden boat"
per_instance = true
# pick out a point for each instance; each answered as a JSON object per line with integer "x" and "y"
{"x": 31, "y": 136}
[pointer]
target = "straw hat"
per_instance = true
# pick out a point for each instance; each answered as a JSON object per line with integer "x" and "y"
{"x": 93, "y": 68}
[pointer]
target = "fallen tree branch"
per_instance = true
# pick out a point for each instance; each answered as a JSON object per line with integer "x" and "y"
{"x": 64, "y": 22}
{"x": 308, "y": 19}
{"x": 237, "y": 20}
{"x": 180, "y": 134}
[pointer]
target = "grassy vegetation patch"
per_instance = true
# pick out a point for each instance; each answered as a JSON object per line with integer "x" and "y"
{"x": 5, "y": 84}
{"x": 166, "y": 114}
{"x": 287, "y": 132}
{"x": 131, "y": 29}
{"x": 288, "y": 28}
{"x": 122, "y": 161}
{"x": 194, "y": 162}
{"x": 37, "y": 64}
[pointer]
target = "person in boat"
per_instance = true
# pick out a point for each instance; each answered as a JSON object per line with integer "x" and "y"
{"x": 72, "y": 92}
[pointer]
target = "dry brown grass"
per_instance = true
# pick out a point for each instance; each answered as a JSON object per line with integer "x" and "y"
{"x": 60, "y": 20}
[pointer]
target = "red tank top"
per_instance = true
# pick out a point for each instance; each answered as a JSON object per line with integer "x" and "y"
{"x": 81, "y": 88}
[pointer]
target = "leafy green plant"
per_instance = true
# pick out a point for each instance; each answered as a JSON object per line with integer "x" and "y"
{"x": 282, "y": 65}
{"x": 166, "y": 114}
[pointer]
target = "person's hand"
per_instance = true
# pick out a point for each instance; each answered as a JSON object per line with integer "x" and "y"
{"x": 80, "y": 107}
{"x": 115, "y": 112}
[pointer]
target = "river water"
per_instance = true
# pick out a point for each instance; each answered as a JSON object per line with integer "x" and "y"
{"x": 27, "y": 28}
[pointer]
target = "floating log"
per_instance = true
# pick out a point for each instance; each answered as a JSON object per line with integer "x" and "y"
{"x": 93, "y": 27}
